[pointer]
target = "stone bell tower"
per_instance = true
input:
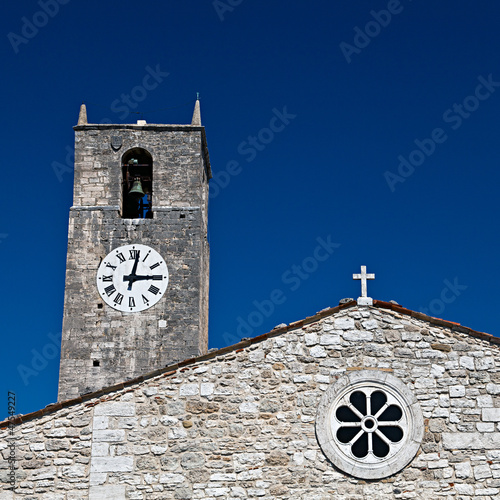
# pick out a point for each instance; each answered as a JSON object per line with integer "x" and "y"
{"x": 137, "y": 269}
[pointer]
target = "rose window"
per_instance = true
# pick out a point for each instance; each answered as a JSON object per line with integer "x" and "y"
{"x": 369, "y": 424}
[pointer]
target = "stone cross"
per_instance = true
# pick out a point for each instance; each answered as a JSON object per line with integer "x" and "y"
{"x": 363, "y": 277}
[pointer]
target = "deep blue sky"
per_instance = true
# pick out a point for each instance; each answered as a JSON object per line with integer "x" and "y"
{"x": 429, "y": 234}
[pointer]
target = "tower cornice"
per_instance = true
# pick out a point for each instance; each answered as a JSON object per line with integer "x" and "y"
{"x": 158, "y": 127}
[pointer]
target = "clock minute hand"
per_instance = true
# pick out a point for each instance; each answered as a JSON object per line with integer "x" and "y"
{"x": 134, "y": 269}
{"x": 131, "y": 277}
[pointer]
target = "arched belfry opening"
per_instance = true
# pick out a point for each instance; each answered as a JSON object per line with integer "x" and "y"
{"x": 137, "y": 184}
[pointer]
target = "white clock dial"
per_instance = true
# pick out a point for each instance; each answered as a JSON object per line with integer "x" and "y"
{"x": 132, "y": 278}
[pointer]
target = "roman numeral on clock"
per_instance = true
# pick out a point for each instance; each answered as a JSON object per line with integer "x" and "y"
{"x": 120, "y": 257}
{"x": 154, "y": 265}
{"x": 131, "y": 302}
{"x": 107, "y": 278}
{"x": 153, "y": 289}
{"x": 110, "y": 290}
{"x": 109, "y": 265}
{"x": 118, "y": 299}
{"x": 134, "y": 254}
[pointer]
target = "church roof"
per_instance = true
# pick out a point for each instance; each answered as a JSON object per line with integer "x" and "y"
{"x": 279, "y": 330}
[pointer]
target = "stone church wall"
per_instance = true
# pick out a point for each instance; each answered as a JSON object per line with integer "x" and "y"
{"x": 242, "y": 424}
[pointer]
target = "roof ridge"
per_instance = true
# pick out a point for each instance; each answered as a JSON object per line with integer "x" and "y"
{"x": 172, "y": 369}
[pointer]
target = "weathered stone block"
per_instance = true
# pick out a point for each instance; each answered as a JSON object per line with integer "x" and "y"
{"x": 189, "y": 390}
{"x": 470, "y": 441}
{"x": 344, "y": 323}
{"x": 463, "y": 470}
{"x": 111, "y": 408}
{"x": 112, "y": 464}
{"x": 357, "y": 335}
{"x": 172, "y": 478}
{"x": 109, "y": 436}
{"x": 491, "y": 414}
{"x": 482, "y": 472}
{"x": 277, "y": 458}
{"x": 456, "y": 391}
{"x": 107, "y": 492}
{"x": 318, "y": 352}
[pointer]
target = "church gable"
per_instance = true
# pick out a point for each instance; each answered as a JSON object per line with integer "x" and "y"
{"x": 273, "y": 417}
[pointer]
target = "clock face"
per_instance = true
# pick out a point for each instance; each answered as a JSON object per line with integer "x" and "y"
{"x": 132, "y": 278}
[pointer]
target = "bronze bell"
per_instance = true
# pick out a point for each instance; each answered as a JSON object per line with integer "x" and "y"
{"x": 136, "y": 190}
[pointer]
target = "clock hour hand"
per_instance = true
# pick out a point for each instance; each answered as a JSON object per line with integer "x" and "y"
{"x": 136, "y": 277}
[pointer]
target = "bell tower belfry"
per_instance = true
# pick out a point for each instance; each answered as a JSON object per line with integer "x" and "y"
{"x": 137, "y": 270}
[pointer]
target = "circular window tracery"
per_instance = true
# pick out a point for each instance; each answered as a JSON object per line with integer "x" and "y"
{"x": 370, "y": 421}
{"x": 369, "y": 424}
